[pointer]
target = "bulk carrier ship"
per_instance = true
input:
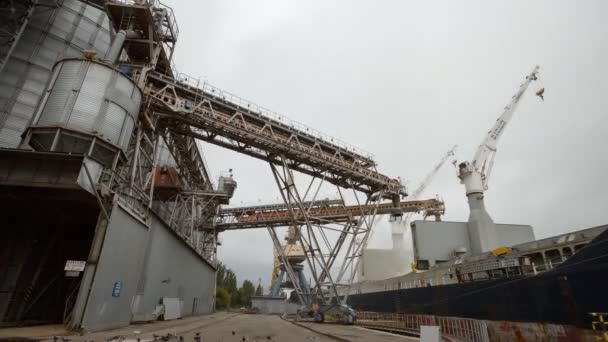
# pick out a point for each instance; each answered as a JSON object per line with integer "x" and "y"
{"x": 554, "y": 280}
{"x": 482, "y": 270}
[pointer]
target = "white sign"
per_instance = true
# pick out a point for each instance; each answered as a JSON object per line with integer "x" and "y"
{"x": 74, "y": 265}
{"x": 429, "y": 334}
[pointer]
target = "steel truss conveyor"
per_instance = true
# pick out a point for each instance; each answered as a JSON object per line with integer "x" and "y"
{"x": 211, "y": 115}
{"x": 279, "y": 216}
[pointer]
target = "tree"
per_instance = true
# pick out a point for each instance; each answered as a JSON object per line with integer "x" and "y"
{"x": 220, "y": 274}
{"x": 237, "y": 300}
{"x": 227, "y": 293}
{"x": 222, "y": 298}
{"x": 231, "y": 287}
{"x": 225, "y": 280}
{"x": 247, "y": 291}
{"x": 259, "y": 291}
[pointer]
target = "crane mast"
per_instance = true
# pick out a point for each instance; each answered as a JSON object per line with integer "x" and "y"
{"x": 476, "y": 173}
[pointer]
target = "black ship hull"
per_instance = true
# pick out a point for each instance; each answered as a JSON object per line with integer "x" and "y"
{"x": 564, "y": 295}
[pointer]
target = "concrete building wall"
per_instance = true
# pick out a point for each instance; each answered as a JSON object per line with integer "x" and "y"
{"x": 172, "y": 269}
{"x": 119, "y": 265}
{"x": 148, "y": 263}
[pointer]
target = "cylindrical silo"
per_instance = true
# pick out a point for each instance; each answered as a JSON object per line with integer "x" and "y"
{"x": 55, "y": 30}
{"x": 86, "y": 99}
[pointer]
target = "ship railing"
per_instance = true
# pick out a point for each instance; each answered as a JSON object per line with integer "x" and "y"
{"x": 451, "y": 328}
{"x": 543, "y": 267}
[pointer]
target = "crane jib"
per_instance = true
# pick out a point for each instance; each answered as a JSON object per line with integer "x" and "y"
{"x": 500, "y": 126}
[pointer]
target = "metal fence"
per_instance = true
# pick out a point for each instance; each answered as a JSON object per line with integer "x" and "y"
{"x": 452, "y": 328}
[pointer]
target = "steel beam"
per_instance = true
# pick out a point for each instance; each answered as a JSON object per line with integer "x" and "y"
{"x": 274, "y": 215}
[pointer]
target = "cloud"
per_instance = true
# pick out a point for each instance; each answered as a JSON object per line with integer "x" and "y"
{"x": 406, "y": 81}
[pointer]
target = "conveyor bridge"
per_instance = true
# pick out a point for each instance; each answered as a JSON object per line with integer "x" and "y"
{"x": 280, "y": 216}
{"x": 212, "y": 115}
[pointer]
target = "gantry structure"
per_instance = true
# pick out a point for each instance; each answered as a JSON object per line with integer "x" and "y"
{"x": 179, "y": 110}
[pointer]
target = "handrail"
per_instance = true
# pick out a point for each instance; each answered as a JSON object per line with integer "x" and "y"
{"x": 206, "y": 87}
{"x": 462, "y": 329}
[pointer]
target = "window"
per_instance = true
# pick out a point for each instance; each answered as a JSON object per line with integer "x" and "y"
{"x": 566, "y": 252}
{"x": 578, "y": 247}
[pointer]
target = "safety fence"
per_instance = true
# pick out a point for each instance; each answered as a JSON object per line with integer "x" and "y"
{"x": 451, "y": 328}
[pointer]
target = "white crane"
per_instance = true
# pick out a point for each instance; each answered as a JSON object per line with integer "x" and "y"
{"x": 475, "y": 174}
{"x": 398, "y": 232}
{"x": 427, "y": 181}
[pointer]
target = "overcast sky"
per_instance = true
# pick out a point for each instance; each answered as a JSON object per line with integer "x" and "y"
{"x": 406, "y": 80}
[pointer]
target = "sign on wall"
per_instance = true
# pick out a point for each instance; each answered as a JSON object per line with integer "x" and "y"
{"x": 74, "y": 265}
{"x": 116, "y": 289}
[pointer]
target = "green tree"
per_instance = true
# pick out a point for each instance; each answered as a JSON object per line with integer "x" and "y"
{"x": 222, "y": 298}
{"x": 246, "y": 292}
{"x": 237, "y": 300}
{"x": 220, "y": 275}
{"x": 259, "y": 291}
{"x": 230, "y": 286}
{"x": 226, "y": 282}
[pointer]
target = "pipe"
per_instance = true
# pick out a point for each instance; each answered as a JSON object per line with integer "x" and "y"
{"x": 116, "y": 47}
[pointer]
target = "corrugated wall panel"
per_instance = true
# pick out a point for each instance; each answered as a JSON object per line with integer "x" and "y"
{"x": 113, "y": 125}
{"x": 57, "y": 105}
{"x": 52, "y": 34}
{"x": 91, "y": 98}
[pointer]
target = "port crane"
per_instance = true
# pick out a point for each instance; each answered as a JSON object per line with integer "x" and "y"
{"x": 426, "y": 182}
{"x": 475, "y": 174}
{"x": 435, "y": 211}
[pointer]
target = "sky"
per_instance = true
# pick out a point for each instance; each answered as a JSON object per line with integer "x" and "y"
{"x": 406, "y": 80}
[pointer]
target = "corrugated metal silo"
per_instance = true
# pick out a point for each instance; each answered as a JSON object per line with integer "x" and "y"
{"x": 55, "y": 30}
{"x": 91, "y": 98}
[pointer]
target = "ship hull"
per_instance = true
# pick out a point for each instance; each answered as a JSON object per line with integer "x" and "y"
{"x": 565, "y": 295}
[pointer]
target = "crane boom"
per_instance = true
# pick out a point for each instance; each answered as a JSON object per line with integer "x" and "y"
{"x": 488, "y": 146}
{"x": 484, "y": 156}
{"x": 429, "y": 177}
{"x": 426, "y": 181}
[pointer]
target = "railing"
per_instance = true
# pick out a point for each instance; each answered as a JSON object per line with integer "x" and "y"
{"x": 170, "y": 17}
{"x": 454, "y": 328}
{"x": 152, "y": 3}
{"x": 279, "y": 206}
{"x": 194, "y": 84}
{"x": 543, "y": 267}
